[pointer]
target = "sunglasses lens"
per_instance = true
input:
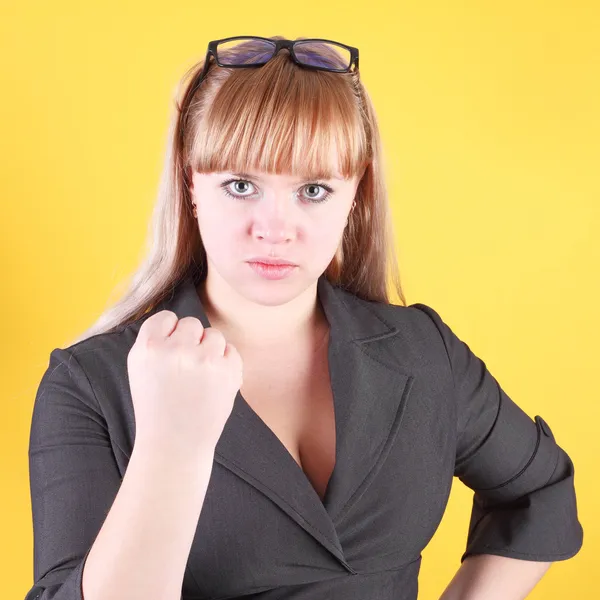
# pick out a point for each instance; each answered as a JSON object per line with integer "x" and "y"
{"x": 245, "y": 51}
{"x": 323, "y": 54}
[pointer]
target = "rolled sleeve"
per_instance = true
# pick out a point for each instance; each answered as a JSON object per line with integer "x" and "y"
{"x": 73, "y": 475}
{"x": 524, "y": 502}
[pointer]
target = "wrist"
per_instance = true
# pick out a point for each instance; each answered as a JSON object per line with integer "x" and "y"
{"x": 172, "y": 451}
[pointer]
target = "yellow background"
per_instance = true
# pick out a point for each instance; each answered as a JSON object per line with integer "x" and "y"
{"x": 490, "y": 118}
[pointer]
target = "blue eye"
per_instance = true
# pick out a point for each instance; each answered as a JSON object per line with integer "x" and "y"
{"x": 311, "y": 200}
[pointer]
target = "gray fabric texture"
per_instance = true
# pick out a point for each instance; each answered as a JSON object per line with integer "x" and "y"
{"x": 414, "y": 407}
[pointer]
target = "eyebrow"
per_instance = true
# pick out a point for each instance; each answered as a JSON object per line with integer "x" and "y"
{"x": 256, "y": 178}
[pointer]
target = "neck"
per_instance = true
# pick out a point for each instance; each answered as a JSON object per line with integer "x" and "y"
{"x": 249, "y": 325}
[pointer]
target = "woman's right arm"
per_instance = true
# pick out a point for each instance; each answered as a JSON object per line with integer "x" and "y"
{"x": 133, "y": 535}
{"x": 144, "y": 544}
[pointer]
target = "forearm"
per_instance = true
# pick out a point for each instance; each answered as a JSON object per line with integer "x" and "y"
{"x": 491, "y": 577}
{"x": 143, "y": 546}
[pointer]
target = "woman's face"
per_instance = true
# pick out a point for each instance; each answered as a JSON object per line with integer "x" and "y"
{"x": 241, "y": 217}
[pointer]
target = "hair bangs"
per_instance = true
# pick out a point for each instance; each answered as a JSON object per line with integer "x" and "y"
{"x": 280, "y": 118}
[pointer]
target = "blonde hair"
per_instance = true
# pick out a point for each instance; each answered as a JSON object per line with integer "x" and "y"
{"x": 278, "y": 118}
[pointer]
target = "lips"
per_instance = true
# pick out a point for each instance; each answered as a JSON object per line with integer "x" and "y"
{"x": 272, "y": 261}
{"x": 272, "y": 271}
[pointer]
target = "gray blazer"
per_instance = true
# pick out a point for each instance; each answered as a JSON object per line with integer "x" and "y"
{"x": 414, "y": 408}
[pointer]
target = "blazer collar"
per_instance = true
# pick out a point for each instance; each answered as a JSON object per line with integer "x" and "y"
{"x": 369, "y": 390}
{"x": 349, "y": 318}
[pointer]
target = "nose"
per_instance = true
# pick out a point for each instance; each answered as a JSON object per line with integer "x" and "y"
{"x": 273, "y": 220}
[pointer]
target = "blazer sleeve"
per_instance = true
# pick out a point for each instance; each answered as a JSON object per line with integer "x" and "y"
{"x": 524, "y": 503}
{"x": 73, "y": 477}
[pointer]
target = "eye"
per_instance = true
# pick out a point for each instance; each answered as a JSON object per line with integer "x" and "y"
{"x": 313, "y": 186}
{"x": 238, "y": 193}
{"x": 240, "y": 186}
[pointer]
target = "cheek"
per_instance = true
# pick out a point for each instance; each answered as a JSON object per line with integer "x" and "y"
{"x": 326, "y": 236}
{"x": 219, "y": 231}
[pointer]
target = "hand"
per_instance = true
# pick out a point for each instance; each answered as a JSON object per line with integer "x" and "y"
{"x": 183, "y": 380}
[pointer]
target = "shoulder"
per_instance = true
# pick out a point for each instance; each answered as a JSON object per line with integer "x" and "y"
{"x": 421, "y": 319}
{"x": 417, "y": 317}
{"x": 99, "y": 361}
{"x": 418, "y": 321}
{"x": 111, "y": 343}
{"x": 420, "y": 335}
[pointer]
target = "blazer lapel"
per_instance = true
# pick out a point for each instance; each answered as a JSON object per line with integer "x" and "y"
{"x": 370, "y": 392}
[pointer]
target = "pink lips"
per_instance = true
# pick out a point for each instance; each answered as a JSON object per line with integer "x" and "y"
{"x": 269, "y": 260}
{"x": 277, "y": 270}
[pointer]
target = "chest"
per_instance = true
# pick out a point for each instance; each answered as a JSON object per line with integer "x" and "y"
{"x": 293, "y": 397}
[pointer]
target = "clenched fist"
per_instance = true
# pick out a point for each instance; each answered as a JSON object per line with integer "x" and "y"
{"x": 183, "y": 380}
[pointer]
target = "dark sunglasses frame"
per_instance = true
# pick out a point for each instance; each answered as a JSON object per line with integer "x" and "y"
{"x": 279, "y": 44}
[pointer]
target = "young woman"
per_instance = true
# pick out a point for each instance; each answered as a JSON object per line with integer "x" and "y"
{"x": 255, "y": 418}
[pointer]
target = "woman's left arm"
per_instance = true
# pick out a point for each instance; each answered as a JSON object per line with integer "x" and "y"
{"x": 524, "y": 512}
{"x": 491, "y": 577}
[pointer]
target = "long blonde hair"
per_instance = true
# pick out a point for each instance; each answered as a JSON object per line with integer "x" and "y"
{"x": 278, "y": 118}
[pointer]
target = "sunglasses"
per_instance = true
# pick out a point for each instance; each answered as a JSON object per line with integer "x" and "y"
{"x": 254, "y": 51}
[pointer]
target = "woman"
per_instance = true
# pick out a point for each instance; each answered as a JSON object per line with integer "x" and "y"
{"x": 238, "y": 428}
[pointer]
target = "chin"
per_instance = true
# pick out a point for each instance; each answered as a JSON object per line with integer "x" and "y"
{"x": 274, "y": 292}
